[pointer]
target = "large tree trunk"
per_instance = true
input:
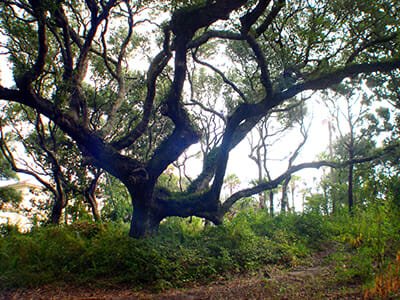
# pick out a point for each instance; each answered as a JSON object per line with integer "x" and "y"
{"x": 151, "y": 205}
{"x": 145, "y": 217}
{"x": 144, "y": 222}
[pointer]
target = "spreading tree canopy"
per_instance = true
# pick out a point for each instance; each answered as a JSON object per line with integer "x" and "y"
{"x": 118, "y": 77}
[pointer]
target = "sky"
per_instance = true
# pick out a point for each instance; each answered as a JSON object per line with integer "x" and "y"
{"x": 317, "y": 142}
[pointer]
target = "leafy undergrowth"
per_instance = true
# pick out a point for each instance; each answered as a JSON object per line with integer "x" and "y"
{"x": 387, "y": 283}
{"x": 183, "y": 252}
{"x": 367, "y": 244}
{"x": 277, "y": 258}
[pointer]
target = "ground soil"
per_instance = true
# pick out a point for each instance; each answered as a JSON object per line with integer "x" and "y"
{"x": 313, "y": 279}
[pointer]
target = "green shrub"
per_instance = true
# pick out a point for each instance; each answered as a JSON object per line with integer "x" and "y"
{"x": 183, "y": 251}
{"x": 7, "y": 229}
{"x": 370, "y": 239}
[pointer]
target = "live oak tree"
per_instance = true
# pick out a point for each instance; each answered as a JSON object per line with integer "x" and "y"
{"x": 80, "y": 64}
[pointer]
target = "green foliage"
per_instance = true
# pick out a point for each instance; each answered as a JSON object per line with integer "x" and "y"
{"x": 6, "y": 171}
{"x": 78, "y": 211}
{"x": 369, "y": 240}
{"x": 117, "y": 203}
{"x": 307, "y": 230}
{"x": 188, "y": 251}
{"x": 7, "y": 229}
{"x": 9, "y": 195}
{"x": 173, "y": 183}
{"x": 183, "y": 252}
{"x": 316, "y": 203}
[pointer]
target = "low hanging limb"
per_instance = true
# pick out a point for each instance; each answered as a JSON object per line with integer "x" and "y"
{"x": 293, "y": 169}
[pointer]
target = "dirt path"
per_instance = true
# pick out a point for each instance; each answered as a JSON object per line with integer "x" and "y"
{"x": 314, "y": 281}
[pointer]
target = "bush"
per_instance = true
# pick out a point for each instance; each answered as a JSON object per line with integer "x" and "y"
{"x": 7, "y": 229}
{"x": 370, "y": 239}
{"x": 184, "y": 251}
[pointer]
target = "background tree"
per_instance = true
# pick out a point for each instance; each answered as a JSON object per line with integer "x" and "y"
{"x": 7, "y": 194}
{"x": 49, "y": 157}
{"x": 374, "y": 181}
{"x": 117, "y": 206}
{"x": 268, "y": 133}
{"x": 358, "y": 132}
{"x": 77, "y": 63}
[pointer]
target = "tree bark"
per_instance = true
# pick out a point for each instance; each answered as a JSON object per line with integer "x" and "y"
{"x": 56, "y": 212}
{"x": 144, "y": 222}
{"x": 91, "y": 199}
{"x": 261, "y": 199}
{"x": 146, "y": 214}
{"x": 351, "y": 150}
{"x": 350, "y": 188}
{"x": 90, "y": 196}
{"x": 284, "y": 200}
{"x": 271, "y": 203}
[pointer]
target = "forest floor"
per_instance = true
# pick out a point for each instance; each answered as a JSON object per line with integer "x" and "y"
{"x": 312, "y": 279}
